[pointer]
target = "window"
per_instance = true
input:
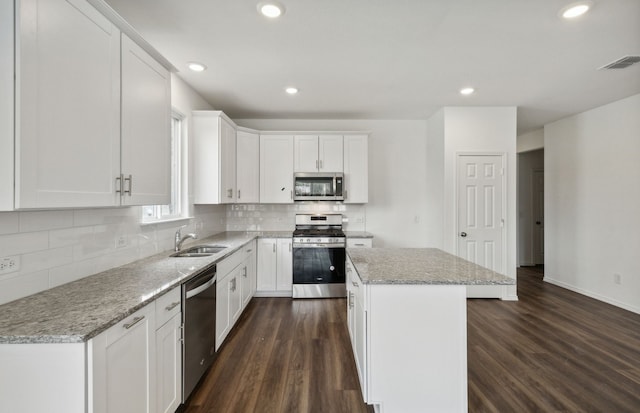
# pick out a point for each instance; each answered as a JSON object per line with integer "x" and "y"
{"x": 153, "y": 213}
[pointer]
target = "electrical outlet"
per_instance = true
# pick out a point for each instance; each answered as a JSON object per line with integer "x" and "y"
{"x": 9, "y": 264}
{"x": 121, "y": 241}
{"x": 617, "y": 279}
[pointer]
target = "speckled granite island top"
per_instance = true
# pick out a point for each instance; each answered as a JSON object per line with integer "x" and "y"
{"x": 80, "y": 310}
{"x": 420, "y": 266}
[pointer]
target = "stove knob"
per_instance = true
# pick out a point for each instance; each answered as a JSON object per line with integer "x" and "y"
{"x": 308, "y": 240}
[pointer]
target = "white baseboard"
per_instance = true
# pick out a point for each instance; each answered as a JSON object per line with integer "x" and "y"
{"x": 591, "y": 294}
{"x": 273, "y": 294}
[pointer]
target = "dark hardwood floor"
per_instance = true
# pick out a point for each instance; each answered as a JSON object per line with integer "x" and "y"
{"x": 552, "y": 351}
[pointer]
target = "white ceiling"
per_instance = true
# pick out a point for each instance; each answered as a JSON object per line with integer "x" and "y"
{"x": 395, "y": 59}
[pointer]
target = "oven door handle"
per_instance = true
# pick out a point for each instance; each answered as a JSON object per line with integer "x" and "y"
{"x": 339, "y": 245}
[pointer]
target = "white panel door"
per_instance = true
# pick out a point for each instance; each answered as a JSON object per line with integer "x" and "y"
{"x": 480, "y": 210}
{"x": 68, "y": 110}
{"x": 146, "y": 128}
{"x": 267, "y": 264}
{"x": 276, "y": 169}
{"x": 305, "y": 156}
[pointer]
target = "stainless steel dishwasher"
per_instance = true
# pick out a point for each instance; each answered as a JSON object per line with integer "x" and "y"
{"x": 199, "y": 328}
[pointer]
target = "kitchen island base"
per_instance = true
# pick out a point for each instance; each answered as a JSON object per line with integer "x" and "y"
{"x": 417, "y": 348}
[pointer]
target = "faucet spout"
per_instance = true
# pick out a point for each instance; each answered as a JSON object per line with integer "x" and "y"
{"x": 179, "y": 239}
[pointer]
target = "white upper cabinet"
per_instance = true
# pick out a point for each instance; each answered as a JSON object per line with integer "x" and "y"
{"x": 248, "y": 167}
{"x": 68, "y": 118}
{"x": 356, "y": 169}
{"x": 92, "y": 110}
{"x": 276, "y": 169}
{"x": 146, "y": 128}
{"x": 214, "y": 158}
{"x": 318, "y": 153}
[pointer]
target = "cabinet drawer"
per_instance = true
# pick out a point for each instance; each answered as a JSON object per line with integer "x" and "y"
{"x": 359, "y": 242}
{"x": 140, "y": 318}
{"x": 168, "y": 306}
{"x": 228, "y": 264}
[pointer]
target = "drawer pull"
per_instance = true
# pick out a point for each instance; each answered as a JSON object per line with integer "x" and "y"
{"x": 355, "y": 284}
{"x": 133, "y": 322}
{"x": 172, "y": 306}
{"x": 359, "y": 245}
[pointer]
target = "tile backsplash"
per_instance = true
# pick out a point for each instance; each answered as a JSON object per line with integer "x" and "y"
{"x": 274, "y": 217}
{"x": 57, "y": 247}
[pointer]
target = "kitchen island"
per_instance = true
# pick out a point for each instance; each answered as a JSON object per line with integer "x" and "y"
{"x": 407, "y": 322}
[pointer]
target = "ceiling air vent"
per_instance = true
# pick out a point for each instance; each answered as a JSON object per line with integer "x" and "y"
{"x": 622, "y": 63}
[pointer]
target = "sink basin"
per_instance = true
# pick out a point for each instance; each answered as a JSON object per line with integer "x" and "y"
{"x": 199, "y": 251}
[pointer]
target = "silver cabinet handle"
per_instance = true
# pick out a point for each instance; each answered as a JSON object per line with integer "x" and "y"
{"x": 130, "y": 179}
{"x": 233, "y": 284}
{"x": 119, "y": 184}
{"x": 238, "y": 194}
{"x": 290, "y": 246}
{"x": 244, "y": 272}
{"x": 172, "y": 306}
{"x": 249, "y": 250}
{"x": 292, "y": 194}
{"x": 133, "y": 322}
{"x": 230, "y": 193}
{"x": 274, "y": 247}
{"x": 355, "y": 284}
{"x": 359, "y": 245}
{"x": 351, "y": 299}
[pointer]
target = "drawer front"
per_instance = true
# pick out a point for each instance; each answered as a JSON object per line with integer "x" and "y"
{"x": 359, "y": 242}
{"x": 138, "y": 319}
{"x": 227, "y": 265}
{"x": 167, "y": 306}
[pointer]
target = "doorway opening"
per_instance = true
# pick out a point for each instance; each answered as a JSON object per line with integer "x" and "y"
{"x": 531, "y": 209}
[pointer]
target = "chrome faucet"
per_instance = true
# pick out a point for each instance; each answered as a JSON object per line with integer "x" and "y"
{"x": 180, "y": 239}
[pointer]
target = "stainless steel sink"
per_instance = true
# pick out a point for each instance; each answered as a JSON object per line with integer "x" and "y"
{"x": 200, "y": 251}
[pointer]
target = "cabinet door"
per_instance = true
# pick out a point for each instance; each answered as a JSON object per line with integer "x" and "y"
{"x": 228, "y": 162}
{"x": 284, "y": 279}
{"x": 305, "y": 155}
{"x": 267, "y": 264}
{"x": 235, "y": 296}
{"x": 248, "y": 168}
{"x": 223, "y": 319}
{"x": 169, "y": 365}
{"x": 356, "y": 169}
{"x": 249, "y": 274}
{"x": 276, "y": 169}
{"x": 146, "y": 128}
{"x": 330, "y": 153}
{"x": 123, "y": 371}
{"x": 68, "y": 115}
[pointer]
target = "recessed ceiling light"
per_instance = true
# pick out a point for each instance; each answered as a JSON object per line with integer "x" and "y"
{"x": 271, "y": 9}
{"x": 467, "y": 91}
{"x": 196, "y": 67}
{"x": 291, "y": 90}
{"x": 574, "y": 10}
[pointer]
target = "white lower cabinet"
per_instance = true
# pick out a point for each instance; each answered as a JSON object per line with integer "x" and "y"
{"x": 359, "y": 242}
{"x": 123, "y": 366}
{"x": 275, "y": 267}
{"x": 169, "y": 351}
{"x": 234, "y": 289}
{"x": 356, "y": 321}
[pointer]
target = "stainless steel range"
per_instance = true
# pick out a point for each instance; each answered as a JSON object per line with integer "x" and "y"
{"x": 318, "y": 256}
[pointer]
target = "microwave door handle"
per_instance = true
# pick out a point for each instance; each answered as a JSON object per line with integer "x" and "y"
{"x": 335, "y": 186}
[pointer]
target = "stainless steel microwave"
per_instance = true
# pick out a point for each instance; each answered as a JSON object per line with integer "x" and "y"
{"x": 318, "y": 186}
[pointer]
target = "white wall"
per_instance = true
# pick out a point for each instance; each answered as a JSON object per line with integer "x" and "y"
{"x": 527, "y": 163}
{"x": 435, "y": 180}
{"x": 396, "y": 212}
{"x": 56, "y": 247}
{"x": 592, "y": 202}
{"x": 530, "y": 141}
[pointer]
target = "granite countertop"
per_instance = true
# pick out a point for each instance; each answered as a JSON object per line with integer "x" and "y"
{"x": 420, "y": 266}
{"x": 77, "y": 311}
{"x": 358, "y": 234}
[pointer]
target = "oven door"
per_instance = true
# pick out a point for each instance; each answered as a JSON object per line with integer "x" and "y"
{"x": 318, "y": 263}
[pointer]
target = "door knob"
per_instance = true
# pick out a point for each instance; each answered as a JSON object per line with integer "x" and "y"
{"x": 538, "y": 222}
{"x": 463, "y": 234}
